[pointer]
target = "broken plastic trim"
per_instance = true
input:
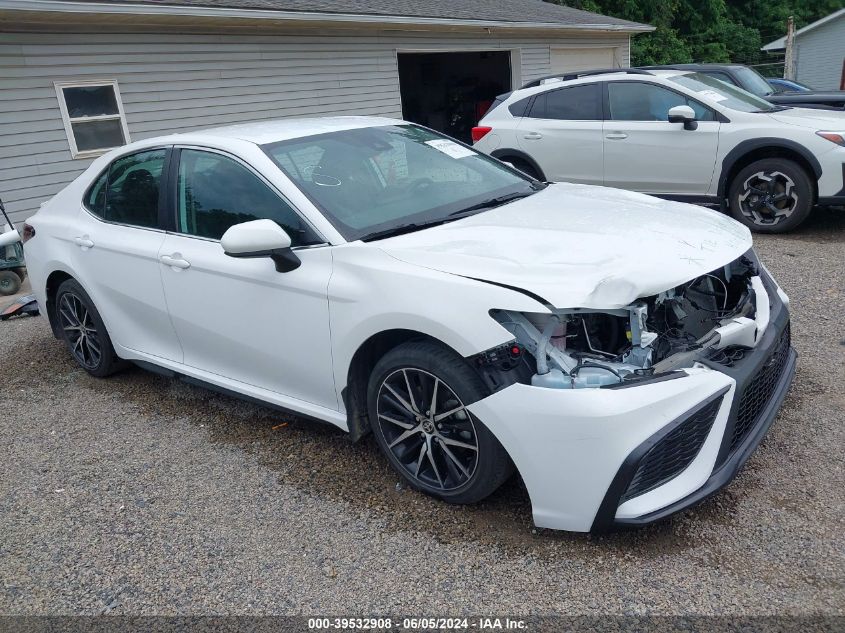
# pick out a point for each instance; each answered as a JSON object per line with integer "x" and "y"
{"x": 585, "y": 347}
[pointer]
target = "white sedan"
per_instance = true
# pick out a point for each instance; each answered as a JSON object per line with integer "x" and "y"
{"x": 625, "y": 355}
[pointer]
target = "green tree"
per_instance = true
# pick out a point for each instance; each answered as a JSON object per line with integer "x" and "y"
{"x": 707, "y": 30}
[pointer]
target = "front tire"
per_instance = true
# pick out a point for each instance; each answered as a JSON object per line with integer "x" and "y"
{"x": 84, "y": 332}
{"x": 417, "y": 398}
{"x": 773, "y": 195}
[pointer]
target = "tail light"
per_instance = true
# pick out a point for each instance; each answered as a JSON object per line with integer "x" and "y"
{"x": 480, "y": 132}
{"x": 27, "y": 233}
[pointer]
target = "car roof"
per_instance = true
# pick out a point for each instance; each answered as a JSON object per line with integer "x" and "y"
{"x": 261, "y": 132}
{"x": 611, "y": 75}
{"x": 273, "y": 131}
{"x": 692, "y": 67}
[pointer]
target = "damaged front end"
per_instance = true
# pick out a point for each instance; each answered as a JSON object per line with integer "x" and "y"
{"x": 716, "y": 316}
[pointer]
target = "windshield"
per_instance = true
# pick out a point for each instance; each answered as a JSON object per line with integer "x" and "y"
{"x": 369, "y": 181}
{"x": 722, "y": 93}
{"x": 754, "y": 82}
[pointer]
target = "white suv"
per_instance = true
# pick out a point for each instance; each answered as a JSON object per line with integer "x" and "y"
{"x": 676, "y": 134}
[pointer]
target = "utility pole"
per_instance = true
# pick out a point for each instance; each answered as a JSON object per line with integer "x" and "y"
{"x": 789, "y": 62}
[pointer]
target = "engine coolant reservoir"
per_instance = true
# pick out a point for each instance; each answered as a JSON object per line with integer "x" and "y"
{"x": 558, "y": 339}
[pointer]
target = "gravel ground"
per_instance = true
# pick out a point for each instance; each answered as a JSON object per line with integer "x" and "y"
{"x": 141, "y": 495}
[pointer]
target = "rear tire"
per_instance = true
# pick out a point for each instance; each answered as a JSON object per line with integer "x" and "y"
{"x": 84, "y": 332}
{"x": 772, "y": 195}
{"x": 429, "y": 437}
{"x": 10, "y": 283}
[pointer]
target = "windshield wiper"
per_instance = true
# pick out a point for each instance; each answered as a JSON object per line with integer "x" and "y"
{"x": 777, "y": 108}
{"x": 456, "y": 215}
{"x": 494, "y": 202}
{"x": 399, "y": 230}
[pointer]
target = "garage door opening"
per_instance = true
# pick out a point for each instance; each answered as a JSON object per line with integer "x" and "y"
{"x": 450, "y": 92}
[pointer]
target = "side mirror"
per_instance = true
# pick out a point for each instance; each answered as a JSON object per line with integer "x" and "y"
{"x": 683, "y": 114}
{"x": 261, "y": 238}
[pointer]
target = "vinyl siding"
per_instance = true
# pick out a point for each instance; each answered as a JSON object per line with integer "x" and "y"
{"x": 171, "y": 82}
{"x": 820, "y": 55}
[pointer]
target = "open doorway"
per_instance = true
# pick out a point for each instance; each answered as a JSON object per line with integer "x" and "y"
{"x": 450, "y": 92}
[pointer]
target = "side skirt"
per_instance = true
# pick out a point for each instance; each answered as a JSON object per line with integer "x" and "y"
{"x": 248, "y": 393}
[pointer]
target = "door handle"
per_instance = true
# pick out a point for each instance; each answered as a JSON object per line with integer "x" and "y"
{"x": 532, "y": 136}
{"x": 84, "y": 242}
{"x": 175, "y": 261}
{"x": 616, "y": 136}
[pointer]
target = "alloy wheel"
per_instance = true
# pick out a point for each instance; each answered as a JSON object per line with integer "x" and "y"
{"x": 768, "y": 197}
{"x": 80, "y": 331}
{"x": 427, "y": 428}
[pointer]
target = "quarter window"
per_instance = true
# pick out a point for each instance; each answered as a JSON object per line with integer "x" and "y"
{"x": 578, "y": 103}
{"x": 215, "y": 192}
{"x": 635, "y": 101}
{"x": 93, "y": 117}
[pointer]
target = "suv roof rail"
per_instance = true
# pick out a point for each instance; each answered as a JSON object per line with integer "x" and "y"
{"x": 585, "y": 73}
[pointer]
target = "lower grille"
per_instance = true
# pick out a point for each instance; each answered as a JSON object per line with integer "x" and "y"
{"x": 760, "y": 390}
{"x": 673, "y": 453}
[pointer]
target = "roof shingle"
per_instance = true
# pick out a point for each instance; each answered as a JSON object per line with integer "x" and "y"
{"x": 515, "y": 11}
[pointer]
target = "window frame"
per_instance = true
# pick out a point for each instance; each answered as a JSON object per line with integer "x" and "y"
{"x": 163, "y": 197}
{"x": 596, "y": 87}
{"x": 718, "y": 117}
{"x": 68, "y": 121}
{"x": 172, "y": 224}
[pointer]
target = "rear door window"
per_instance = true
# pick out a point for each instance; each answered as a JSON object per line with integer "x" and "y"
{"x": 128, "y": 191}
{"x": 577, "y": 103}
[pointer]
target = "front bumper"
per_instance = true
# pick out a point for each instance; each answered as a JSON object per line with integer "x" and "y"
{"x": 578, "y": 451}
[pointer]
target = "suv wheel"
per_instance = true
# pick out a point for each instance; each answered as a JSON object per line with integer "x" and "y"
{"x": 417, "y": 399}
{"x": 83, "y": 331}
{"x": 773, "y": 195}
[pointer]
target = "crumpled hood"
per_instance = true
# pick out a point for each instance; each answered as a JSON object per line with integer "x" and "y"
{"x": 580, "y": 245}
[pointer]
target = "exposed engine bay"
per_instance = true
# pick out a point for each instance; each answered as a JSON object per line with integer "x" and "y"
{"x": 709, "y": 317}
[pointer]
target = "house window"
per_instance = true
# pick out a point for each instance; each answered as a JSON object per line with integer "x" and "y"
{"x": 93, "y": 116}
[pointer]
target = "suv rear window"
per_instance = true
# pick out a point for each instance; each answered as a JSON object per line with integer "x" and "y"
{"x": 578, "y": 103}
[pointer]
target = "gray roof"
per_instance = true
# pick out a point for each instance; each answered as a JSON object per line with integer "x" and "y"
{"x": 518, "y": 12}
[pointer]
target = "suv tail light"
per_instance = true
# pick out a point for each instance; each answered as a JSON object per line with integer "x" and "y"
{"x": 27, "y": 233}
{"x": 480, "y": 132}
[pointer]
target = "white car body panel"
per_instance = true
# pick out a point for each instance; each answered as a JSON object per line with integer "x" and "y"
{"x": 583, "y": 159}
{"x": 554, "y": 452}
{"x": 367, "y": 296}
{"x": 289, "y": 339}
{"x": 560, "y": 234}
{"x": 124, "y": 278}
{"x": 667, "y": 162}
{"x": 241, "y": 319}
